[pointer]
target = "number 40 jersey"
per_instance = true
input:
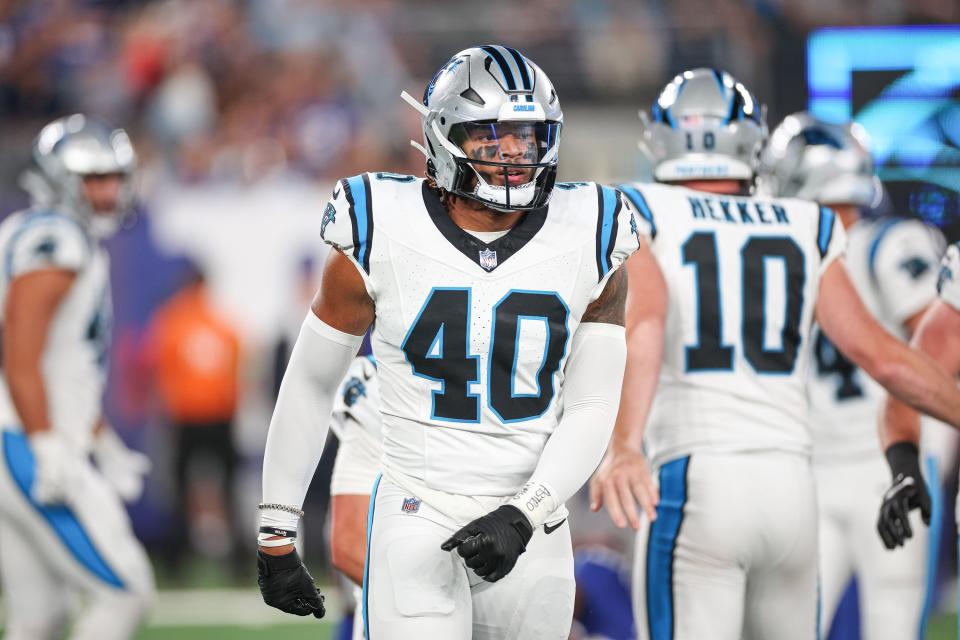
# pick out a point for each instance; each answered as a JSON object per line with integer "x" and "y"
{"x": 743, "y": 275}
{"x": 471, "y": 335}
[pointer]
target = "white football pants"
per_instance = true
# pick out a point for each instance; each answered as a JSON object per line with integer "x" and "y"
{"x": 51, "y": 554}
{"x": 415, "y": 590}
{"x": 733, "y": 551}
{"x": 892, "y": 585}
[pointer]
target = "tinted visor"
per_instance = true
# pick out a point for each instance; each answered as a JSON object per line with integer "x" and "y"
{"x": 515, "y": 143}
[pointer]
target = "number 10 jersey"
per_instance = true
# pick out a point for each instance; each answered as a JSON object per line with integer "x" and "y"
{"x": 743, "y": 275}
{"x": 471, "y": 337}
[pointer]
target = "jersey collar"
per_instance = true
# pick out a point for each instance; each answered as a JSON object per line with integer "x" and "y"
{"x": 488, "y": 256}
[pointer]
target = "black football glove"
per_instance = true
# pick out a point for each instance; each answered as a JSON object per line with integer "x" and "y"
{"x": 491, "y": 544}
{"x": 287, "y": 585}
{"x": 908, "y": 492}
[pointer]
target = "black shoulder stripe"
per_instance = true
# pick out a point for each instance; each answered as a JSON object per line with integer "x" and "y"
{"x": 612, "y": 234}
{"x": 600, "y": 270}
{"x": 369, "y": 239}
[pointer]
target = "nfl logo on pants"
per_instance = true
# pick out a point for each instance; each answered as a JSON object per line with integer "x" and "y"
{"x": 410, "y": 505}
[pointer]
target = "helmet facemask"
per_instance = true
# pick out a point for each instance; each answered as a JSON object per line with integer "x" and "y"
{"x": 507, "y": 166}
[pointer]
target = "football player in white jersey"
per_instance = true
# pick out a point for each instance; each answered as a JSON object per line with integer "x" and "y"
{"x": 356, "y": 421}
{"x": 728, "y": 549}
{"x": 892, "y": 263}
{"x": 497, "y": 303}
{"x": 938, "y": 335}
{"x": 63, "y": 526}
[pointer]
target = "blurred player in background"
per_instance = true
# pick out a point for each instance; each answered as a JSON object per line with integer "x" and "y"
{"x": 938, "y": 335}
{"x": 63, "y": 527}
{"x": 892, "y": 264}
{"x": 729, "y": 547}
{"x": 357, "y": 423}
{"x": 499, "y": 342}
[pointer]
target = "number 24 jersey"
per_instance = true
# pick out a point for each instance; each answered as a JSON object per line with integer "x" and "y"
{"x": 470, "y": 337}
{"x": 743, "y": 275}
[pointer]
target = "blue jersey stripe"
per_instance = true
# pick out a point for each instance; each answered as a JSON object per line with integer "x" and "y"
{"x": 608, "y": 202}
{"x": 661, "y": 544}
{"x": 62, "y": 520}
{"x": 364, "y": 600}
{"x": 933, "y": 544}
{"x": 505, "y": 71}
{"x": 641, "y": 204}
{"x": 358, "y": 197}
{"x": 825, "y": 229}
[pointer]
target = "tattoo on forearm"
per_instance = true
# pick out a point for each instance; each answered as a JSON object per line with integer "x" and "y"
{"x": 611, "y": 306}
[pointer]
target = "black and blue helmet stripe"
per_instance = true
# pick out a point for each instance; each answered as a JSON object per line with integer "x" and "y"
{"x": 514, "y": 68}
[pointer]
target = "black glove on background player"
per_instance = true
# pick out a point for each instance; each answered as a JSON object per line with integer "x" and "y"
{"x": 907, "y": 492}
{"x": 287, "y": 585}
{"x": 491, "y": 544}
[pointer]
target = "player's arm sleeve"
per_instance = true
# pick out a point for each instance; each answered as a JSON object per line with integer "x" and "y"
{"x": 298, "y": 429}
{"x": 948, "y": 282}
{"x": 47, "y": 243}
{"x": 624, "y": 223}
{"x": 904, "y": 268}
{"x": 830, "y": 236}
{"x": 591, "y": 395}
{"x": 347, "y": 223}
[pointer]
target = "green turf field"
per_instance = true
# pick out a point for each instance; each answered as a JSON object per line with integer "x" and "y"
{"x": 941, "y": 628}
{"x": 317, "y": 631}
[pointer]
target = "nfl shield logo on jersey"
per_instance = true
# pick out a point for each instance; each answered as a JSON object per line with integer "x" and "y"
{"x": 410, "y": 505}
{"x": 488, "y": 259}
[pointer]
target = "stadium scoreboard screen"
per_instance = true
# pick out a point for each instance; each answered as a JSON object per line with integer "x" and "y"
{"x": 902, "y": 84}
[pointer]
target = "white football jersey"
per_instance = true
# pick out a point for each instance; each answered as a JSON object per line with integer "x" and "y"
{"x": 356, "y": 422}
{"x": 76, "y": 354}
{"x": 893, "y": 265}
{"x": 743, "y": 275}
{"x": 948, "y": 283}
{"x": 471, "y": 337}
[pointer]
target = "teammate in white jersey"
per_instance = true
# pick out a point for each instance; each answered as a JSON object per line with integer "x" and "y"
{"x": 938, "y": 335}
{"x": 63, "y": 527}
{"x": 497, "y": 309}
{"x": 892, "y": 263}
{"x": 356, "y": 421}
{"x": 730, "y": 550}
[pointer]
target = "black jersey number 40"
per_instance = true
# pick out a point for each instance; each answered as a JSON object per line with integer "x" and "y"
{"x": 437, "y": 346}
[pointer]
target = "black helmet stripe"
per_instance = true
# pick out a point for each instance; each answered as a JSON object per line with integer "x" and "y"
{"x": 522, "y": 66}
{"x": 504, "y": 66}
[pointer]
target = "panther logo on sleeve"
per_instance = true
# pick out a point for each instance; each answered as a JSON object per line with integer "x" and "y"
{"x": 329, "y": 215}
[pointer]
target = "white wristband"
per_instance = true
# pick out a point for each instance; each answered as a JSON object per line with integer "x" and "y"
{"x": 266, "y": 540}
{"x": 537, "y": 500}
{"x": 279, "y": 519}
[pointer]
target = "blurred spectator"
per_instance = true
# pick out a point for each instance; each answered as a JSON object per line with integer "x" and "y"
{"x": 196, "y": 357}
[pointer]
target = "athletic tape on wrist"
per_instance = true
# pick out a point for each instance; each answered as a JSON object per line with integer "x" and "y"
{"x": 537, "y": 500}
{"x": 266, "y": 540}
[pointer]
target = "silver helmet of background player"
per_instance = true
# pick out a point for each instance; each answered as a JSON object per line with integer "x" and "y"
{"x": 704, "y": 125}
{"x": 494, "y": 95}
{"x": 71, "y": 148}
{"x": 816, "y": 160}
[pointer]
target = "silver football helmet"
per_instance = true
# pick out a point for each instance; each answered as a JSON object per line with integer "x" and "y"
{"x": 704, "y": 125}
{"x": 816, "y": 160}
{"x": 491, "y": 126}
{"x": 71, "y": 148}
